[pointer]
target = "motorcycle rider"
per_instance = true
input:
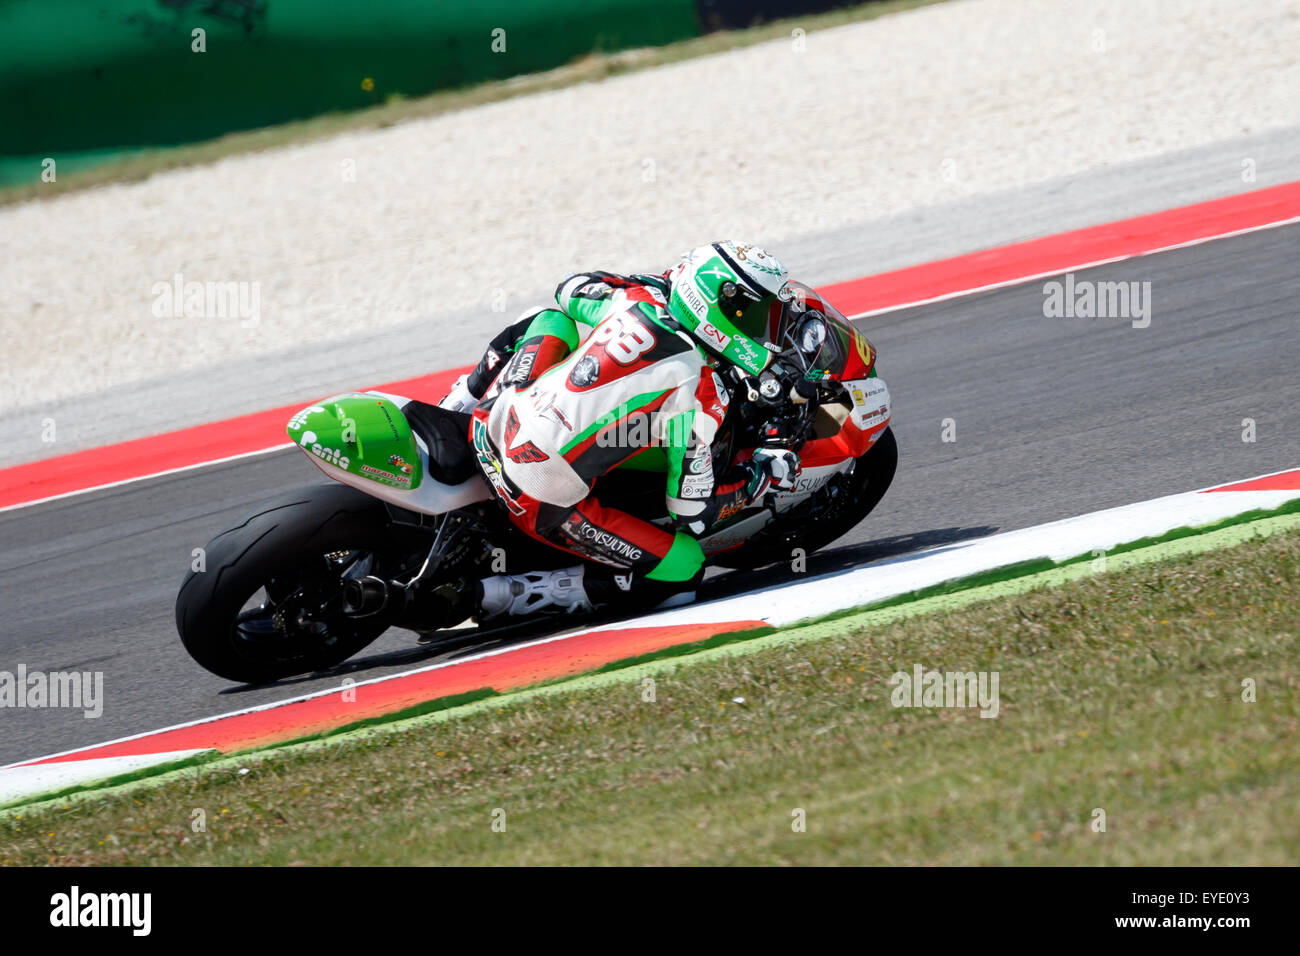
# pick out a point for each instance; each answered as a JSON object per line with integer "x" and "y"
{"x": 622, "y": 365}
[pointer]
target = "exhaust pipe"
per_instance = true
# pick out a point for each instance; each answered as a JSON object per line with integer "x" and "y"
{"x": 368, "y": 596}
{"x": 371, "y": 597}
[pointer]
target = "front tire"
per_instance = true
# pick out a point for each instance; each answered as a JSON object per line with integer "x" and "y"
{"x": 294, "y": 548}
{"x": 872, "y": 476}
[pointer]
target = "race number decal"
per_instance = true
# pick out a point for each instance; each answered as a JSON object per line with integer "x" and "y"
{"x": 625, "y": 340}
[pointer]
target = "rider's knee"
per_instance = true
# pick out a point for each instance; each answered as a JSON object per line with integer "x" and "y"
{"x": 684, "y": 561}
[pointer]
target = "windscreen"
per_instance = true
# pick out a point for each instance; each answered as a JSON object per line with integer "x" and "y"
{"x": 817, "y": 335}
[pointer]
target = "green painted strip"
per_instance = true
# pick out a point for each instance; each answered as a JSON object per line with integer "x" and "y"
{"x": 1179, "y": 542}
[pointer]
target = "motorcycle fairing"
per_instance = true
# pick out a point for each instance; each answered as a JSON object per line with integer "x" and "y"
{"x": 364, "y": 439}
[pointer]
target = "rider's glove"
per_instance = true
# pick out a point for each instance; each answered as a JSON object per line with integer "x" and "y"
{"x": 777, "y": 468}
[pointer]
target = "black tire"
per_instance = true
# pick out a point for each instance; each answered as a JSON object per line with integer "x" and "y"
{"x": 281, "y": 540}
{"x": 871, "y": 478}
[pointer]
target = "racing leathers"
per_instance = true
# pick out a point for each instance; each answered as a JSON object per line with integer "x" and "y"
{"x": 569, "y": 393}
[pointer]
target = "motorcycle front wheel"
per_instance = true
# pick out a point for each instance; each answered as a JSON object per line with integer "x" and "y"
{"x": 872, "y": 475}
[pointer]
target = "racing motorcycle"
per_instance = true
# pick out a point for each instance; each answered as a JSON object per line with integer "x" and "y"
{"x": 408, "y": 523}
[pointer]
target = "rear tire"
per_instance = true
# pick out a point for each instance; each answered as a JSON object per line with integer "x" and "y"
{"x": 284, "y": 540}
{"x": 871, "y": 478}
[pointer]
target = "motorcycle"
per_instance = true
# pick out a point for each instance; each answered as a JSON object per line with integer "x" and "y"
{"x": 408, "y": 523}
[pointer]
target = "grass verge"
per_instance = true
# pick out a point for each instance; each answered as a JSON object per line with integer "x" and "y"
{"x": 1120, "y": 692}
{"x": 589, "y": 69}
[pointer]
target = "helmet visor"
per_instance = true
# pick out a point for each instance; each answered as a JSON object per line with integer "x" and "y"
{"x": 747, "y": 313}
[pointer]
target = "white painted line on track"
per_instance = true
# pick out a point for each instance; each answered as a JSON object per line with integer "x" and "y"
{"x": 1007, "y": 283}
{"x": 151, "y": 475}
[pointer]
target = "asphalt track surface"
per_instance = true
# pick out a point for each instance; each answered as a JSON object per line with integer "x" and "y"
{"x": 1054, "y": 417}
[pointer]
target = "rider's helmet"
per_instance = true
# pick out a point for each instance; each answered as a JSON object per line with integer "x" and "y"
{"x": 724, "y": 294}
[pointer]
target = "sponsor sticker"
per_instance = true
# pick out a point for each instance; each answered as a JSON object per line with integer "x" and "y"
{"x": 585, "y": 372}
{"x": 387, "y": 478}
{"x": 873, "y": 408}
{"x": 604, "y": 542}
{"x": 300, "y": 419}
{"x": 694, "y": 301}
{"x": 713, "y": 335}
{"x": 697, "y": 486}
{"x": 748, "y": 351}
{"x": 724, "y": 397}
{"x": 731, "y": 510}
{"x": 389, "y": 418}
{"x": 491, "y": 468}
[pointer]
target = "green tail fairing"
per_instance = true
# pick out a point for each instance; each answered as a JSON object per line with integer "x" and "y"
{"x": 364, "y": 435}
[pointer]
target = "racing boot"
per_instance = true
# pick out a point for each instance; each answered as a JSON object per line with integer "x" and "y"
{"x": 517, "y": 594}
{"x": 607, "y": 587}
{"x": 460, "y": 398}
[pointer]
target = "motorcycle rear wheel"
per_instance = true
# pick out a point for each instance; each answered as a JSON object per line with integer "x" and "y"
{"x": 296, "y": 549}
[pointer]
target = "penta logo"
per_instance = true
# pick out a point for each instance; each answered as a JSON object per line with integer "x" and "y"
{"x": 332, "y": 456}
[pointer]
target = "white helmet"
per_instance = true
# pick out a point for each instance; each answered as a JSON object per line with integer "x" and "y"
{"x": 723, "y": 294}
